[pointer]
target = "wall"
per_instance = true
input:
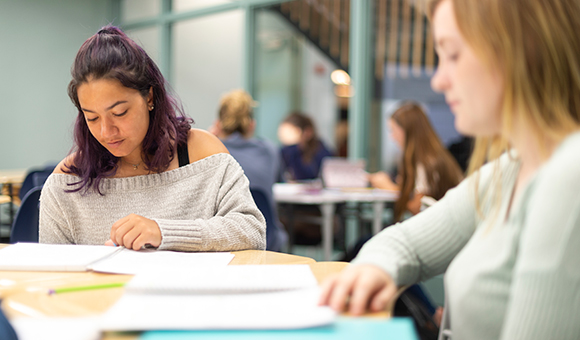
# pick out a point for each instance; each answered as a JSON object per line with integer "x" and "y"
{"x": 291, "y": 74}
{"x": 208, "y": 57}
{"x": 38, "y": 43}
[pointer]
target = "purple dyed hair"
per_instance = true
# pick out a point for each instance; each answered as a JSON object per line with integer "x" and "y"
{"x": 110, "y": 54}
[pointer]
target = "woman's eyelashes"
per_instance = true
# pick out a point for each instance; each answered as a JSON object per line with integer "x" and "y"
{"x": 120, "y": 114}
{"x": 114, "y": 114}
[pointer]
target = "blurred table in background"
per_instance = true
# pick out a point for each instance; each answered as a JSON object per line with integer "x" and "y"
{"x": 326, "y": 200}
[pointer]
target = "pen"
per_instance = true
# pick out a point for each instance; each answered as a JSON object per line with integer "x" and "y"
{"x": 89, "y": 287}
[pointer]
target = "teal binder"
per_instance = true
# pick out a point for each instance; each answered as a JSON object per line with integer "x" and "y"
{"x": 344, "y": 328}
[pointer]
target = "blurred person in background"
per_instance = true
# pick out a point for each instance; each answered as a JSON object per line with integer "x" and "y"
{"x": 258, "y": 157}
{"x": 426, "y": 167}
{"x": 303, "y": 151}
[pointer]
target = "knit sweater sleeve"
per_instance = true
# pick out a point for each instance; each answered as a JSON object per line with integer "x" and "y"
{"x": 54, "y": 227}
{"x": 237, "y": 224}
{"x": 424, "y": 245}
{"x": 544, "y": 299}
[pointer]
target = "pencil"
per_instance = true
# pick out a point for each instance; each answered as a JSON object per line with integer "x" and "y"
{"x": 89, "y": 287}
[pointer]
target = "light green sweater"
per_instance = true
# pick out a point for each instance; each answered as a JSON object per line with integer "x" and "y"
{"x": 513, "y": 277}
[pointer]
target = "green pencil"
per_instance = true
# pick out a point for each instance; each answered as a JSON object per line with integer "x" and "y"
{"x": 89, "y": 287}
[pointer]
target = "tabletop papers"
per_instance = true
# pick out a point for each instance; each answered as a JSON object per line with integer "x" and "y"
{"x": 265, "y": 310}
{"x": 153, "y": 261}
{"x": 232, "y": 297}
{"x": 119, "y": 260}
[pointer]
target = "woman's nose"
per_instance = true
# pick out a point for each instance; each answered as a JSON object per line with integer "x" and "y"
{"x": 439, "y": 81}
{"x": 108, "y": 128}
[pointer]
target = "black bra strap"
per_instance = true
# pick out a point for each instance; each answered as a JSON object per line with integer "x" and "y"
{"x": 183, "y": 154}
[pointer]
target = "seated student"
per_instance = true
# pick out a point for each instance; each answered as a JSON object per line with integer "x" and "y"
{"x": 138, "y": 174}
{"x": 508, "y": 237}
{"x": 303, "y": 152}
{"x": 426, "y": 167}
{"x": 258, "y": 157}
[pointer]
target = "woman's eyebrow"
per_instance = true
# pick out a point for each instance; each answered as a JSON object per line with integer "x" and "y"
{"x": 110, "y": 107}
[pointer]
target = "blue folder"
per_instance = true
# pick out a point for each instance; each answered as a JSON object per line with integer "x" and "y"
{"x": 344, "y": 328}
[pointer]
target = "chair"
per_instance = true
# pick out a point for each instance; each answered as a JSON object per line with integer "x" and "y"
{"x": 25, "y": 225}
{"x": 271, "y": 230}
{"x": 33, "y": 179}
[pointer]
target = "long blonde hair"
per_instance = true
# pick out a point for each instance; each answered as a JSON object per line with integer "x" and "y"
{"x": 536, "y": 47}
{"x": 236, "y": 112}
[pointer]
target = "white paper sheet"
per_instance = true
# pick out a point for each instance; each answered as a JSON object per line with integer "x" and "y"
{"x": 273, "y": 310}
{"x": 224, "y": 280}
{"x": 118, "y": 260}
{"x": 153, "y": 261}
{"x": 57, "y": 328}
{"x": 51, "y": 257}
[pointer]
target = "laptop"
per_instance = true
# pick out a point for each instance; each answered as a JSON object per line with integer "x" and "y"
{"x": 342, "y": 173}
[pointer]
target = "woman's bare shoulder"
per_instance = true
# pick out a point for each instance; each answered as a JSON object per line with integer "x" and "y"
{"x": 202, "y": 144}
{"x": 64, "y": 165}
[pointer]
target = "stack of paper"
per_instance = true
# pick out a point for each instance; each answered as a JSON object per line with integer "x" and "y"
{"x": 232, "y": 297}
{"x": 224, "y": 280}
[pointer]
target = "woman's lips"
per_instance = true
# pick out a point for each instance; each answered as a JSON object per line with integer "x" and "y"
{"x": 114, "y": 144}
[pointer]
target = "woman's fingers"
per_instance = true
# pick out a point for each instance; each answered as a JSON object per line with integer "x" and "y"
{"x": 134, "y": 231}
{"x": 129, "y": 238}
{"x": 360, "y": 287}
{"x": 326, "y": 289}
{"x": 342, "y": 290}
{"x": 383, "y": 298}
{"x": 365, "y": 287}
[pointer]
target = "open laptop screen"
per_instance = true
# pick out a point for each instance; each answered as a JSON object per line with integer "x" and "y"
{"x": 343, "y": 173}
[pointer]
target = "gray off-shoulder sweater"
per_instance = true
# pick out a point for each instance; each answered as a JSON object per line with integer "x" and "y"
{"x": 203, "y": 206}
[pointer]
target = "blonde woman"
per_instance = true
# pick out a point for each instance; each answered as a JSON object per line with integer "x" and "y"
{"x": 508, "y": 237}
{"x": 259, "y": 158}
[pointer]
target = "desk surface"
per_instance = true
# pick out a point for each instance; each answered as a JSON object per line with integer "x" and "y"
{"x": 303, "y": 194}
{"x": 25, "y": 293}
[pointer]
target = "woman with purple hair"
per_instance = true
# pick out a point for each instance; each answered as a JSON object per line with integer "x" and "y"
{"x": 138, "y": 175}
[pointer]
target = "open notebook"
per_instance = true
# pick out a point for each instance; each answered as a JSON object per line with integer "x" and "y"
{"x": 119, "y": 260}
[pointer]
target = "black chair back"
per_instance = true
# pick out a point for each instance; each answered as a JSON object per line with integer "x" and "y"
{"x": 264, "y": 206}
{"x": 25, "y": 225}
{"x": 34, "y": 178}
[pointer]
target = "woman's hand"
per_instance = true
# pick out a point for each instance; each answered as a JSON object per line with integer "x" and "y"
{"x": 361, "y": 287}
{"x": 134, "y": 231}
{"x": 381, "y": 180}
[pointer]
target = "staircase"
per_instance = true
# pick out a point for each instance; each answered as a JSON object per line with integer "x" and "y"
{"x": 403, "y": 42}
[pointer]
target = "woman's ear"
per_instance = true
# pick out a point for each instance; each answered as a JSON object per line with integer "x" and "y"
{"x": 150, "y": 97}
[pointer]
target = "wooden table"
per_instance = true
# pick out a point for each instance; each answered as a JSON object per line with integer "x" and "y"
{"x": 326, "y": 199}
{"x": 25, "y": 293}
